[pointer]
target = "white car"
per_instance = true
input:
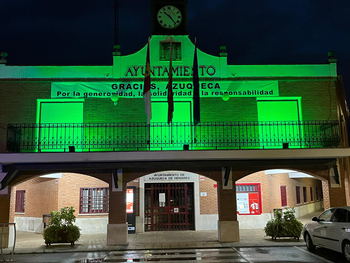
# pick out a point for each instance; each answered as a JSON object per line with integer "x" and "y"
{"x": 330, "y": 230}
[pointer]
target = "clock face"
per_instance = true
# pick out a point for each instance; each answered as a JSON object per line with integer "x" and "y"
{"x": 169, "y": 17}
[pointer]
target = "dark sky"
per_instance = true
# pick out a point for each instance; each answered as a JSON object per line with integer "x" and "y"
{"x": 42, "y": 32}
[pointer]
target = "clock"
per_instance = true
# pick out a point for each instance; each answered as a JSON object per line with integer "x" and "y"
{"x": 169, "y": 17}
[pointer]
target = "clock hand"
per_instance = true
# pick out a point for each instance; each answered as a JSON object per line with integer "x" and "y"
{"x": 170, "y": 17}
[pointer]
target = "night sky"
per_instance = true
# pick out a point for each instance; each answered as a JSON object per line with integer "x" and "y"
{"x": 42, "y": 32}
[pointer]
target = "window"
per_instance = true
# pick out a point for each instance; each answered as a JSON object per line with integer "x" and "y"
{"x": 164, "y": 52}
{"x": 284, "y": 195}
{"x": 326, "y": 215}
{"x": 340, "y": 215}
{"x": 311, "y": 195}
{"x": 316, "y": 194}
{"x": 20, "y": 201}
{"x": 248, "y": 198}
{"x": 247, "y": 188}
{"x": 94, "y": 200}
{"x": 298, "y": 194}
{"x": 304, "y": 194}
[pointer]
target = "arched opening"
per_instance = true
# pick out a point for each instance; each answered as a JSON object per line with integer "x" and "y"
{"x": 33, "y": 199}
{"x": 170, "y": 199}
{"x": 175, "y": 200}
{"x": 260, "y": 194}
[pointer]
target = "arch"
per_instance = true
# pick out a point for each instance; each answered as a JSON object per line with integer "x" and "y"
{"x": 50, "y": 192}
{"x": 205, "y": 206}
{"x": 281, "y": 188}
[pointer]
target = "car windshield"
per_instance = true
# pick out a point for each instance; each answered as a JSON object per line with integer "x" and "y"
{"x": 326, "y": 215}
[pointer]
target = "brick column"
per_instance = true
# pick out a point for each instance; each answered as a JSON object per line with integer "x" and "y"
{"x": 337, "y": 192}
{"x": 117, "y": 228}
{"x": 8, "y": 232}
{"x": 4, "y": 208}
{"x": 325, "y": 191}
{"x": 227, "y": 225}
{"x": 337, "y": 196}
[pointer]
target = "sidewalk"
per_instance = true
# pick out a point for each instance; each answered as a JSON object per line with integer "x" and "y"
{"x": 28, "y": 242}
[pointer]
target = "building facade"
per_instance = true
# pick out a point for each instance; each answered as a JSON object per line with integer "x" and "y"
{"x": 258, "y": 195}
{"x": 91, "y": 121}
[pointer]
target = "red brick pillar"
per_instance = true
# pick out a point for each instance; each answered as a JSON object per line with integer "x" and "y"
{"x": 4, "y": 207}
{"x": 227, "y": 225}
{"x": 117, "y": 228}
{"x": 8, "y": 231}
{"x": 325, "y": 191}
{"x": 334, "y": 193}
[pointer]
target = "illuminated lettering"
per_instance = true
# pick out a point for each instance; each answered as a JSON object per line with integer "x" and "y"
{"x": 162, "y": 71}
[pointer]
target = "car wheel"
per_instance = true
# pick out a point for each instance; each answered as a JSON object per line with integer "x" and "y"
{"x": 310, "y": 246}
{"x": 346, "y": 250}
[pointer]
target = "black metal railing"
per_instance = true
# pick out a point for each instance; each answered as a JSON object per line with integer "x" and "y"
{"x": 177, "y": 136}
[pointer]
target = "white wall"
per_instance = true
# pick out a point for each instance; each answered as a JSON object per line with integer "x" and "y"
{"x": 87, "y": 225}
{"x": 207, "y": 222}
{"x": 307, "y": 209}
{"x": 31, "y": 224}
{"x": 93, "y": 225}
{"x": 253, "y": 221}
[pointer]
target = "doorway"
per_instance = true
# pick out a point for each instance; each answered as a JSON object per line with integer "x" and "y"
{"x": 279, "y": 123}
{"x": 169, "y": 206}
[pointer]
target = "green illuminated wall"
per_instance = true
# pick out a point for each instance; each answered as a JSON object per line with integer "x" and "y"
{"x": 55, "y": 112}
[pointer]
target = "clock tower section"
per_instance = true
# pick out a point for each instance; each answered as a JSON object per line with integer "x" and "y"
{"x": 169, "y": 17}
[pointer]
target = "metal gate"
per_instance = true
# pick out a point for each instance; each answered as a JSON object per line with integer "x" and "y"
{"x": 169, "y": 206}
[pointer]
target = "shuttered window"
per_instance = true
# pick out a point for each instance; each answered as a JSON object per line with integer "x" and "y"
{"x": 20, "y": 201}
{"x": 297, "y": 188}
{"x": 304, "y": 194}
{"x": 283, "y": 195}
{"x": 311, "y": 195}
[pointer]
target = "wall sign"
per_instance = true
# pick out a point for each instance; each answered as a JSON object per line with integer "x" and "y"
{"x": 183, "y": 89}
{"x": 169, "y": 177}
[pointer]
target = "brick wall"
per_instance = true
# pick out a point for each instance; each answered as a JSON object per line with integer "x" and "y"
{"x": 19, "y": 102}
{"x": 318, "y": 100}
{"x": 69, "y": 190}
{"x": 208, "y": 204}
{"x": 104, "y": 111}
{"x": 44, "y": 195}
{"x": 41, "y": 197}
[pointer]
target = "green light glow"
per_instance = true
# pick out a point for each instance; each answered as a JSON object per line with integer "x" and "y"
{"x": 58, "y": 112}
{"x": 182, "y": 113}
{"x": 279, "y": 111}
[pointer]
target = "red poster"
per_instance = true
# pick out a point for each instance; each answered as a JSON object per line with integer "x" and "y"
{"x": 254, "y": 204}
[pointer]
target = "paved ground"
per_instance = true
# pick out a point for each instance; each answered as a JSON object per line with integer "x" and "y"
{"x": 28, "y": 242}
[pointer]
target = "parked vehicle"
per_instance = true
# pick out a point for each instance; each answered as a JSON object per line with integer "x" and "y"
{"x": 330, "y": 230}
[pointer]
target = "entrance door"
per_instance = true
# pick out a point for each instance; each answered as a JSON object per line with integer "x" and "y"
{"x": 169, "y": 206}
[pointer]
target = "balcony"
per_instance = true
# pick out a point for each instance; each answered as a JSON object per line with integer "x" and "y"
{"x": 176, "y": 136}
